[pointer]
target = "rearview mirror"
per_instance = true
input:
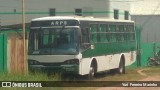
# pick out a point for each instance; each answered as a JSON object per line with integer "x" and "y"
{"x": 92, "y": 46}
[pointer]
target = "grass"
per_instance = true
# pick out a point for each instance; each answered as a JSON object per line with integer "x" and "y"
{"x": 152, "y": 71}
{"x": 131, "y": 75}
{"x": 38, "y": 76}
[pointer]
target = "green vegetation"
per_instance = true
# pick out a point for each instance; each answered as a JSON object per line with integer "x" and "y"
{"x": 37, "y": 76}
{"x": 131, "y": 75}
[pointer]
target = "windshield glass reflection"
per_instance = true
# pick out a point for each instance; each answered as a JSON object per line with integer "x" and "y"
{"x": 53, "y": 41}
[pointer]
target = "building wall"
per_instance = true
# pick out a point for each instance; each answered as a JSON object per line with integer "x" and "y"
{"x": 146, "y": 14}
{"x": 150, "y": 27}
{"x": 120, "y": 5}
{"x": 10, "y": 10}
{"x": 145, "y": 7}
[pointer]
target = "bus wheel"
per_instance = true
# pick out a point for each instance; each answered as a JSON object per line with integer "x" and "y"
{"x": 90, "y": 76}
{"x": 121, "y": 69}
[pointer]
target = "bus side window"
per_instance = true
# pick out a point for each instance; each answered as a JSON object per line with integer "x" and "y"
{"x": 118, "y": 35}
{"x": 132, "y": 33}
{"x": 125, "y": 35}
{"x": 85, "y": 38}
{"x": 98, "y": 33}
{"x": 129, "y": 31}
{"x": 102, "y": 33}
{"x": 113, "y": 30}
{"x": 107, "y": 33}
{"x": 93, "y": 30}
{"x": 85, "y": 35}
{"x": 121, "y": 31}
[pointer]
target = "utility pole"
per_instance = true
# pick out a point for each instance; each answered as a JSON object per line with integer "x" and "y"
{"x": 24, "y": 41}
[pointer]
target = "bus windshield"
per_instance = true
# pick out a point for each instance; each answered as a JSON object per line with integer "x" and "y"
{"x": 53, "y": 41}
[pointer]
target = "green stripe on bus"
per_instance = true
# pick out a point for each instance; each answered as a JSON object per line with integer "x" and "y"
{"x": 109, "y": 48}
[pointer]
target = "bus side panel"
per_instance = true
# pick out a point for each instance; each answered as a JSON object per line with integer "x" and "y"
{"x": 103, "y": 62}
{"x": 84, "y": 66}
{"x": 115, "y": 60}
{"x": 130, "y": 58}
{"x": 112, "y": 61}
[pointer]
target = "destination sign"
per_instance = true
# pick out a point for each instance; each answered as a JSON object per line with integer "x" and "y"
{"x": 54, "y": 23}
{"x": 58, "y": 23}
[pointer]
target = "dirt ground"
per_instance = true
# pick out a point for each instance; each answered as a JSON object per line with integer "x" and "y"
{"x": 149, "y": 78}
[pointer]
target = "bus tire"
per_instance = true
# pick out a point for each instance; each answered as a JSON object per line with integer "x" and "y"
{"x": 121, "y": 69}
{"x": 92, "y": 69}
{"x": 91, "y": 73}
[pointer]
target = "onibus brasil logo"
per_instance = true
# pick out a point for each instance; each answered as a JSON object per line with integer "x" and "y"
{"x": 20, "y": 84}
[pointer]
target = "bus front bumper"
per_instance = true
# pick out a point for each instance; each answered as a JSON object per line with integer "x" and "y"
{"x": 61, "y": 68}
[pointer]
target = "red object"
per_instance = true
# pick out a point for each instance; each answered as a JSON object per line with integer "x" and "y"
{"x": 152, "y": 59}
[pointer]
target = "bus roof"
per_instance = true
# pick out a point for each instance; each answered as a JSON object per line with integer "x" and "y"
{"x": 79, "y": 18}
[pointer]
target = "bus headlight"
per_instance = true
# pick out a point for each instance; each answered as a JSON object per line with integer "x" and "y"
{"x": 72, "y": 61}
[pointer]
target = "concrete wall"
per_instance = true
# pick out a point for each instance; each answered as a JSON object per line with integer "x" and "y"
{"x": 121, "y": 5}
{"x": 150, "y": 27}
{"x": 10, "y": 10}
{"x": 10, "y": 13}
{"x": 145, "y": 7}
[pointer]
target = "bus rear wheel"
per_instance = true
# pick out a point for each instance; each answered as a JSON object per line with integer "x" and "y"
{"x": 121, "y": 69}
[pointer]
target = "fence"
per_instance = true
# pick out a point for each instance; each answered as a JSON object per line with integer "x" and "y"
{"x": 3, "y": 55}
{"x": 12, "y": 52}
{"x": 144, "y": 50}
{"x": 15, "y": 53}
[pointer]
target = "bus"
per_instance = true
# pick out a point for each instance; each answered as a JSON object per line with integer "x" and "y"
{"x": 81, "y": 45}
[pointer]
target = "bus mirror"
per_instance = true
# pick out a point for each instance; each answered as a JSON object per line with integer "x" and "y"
{"x": 92, "y": 46}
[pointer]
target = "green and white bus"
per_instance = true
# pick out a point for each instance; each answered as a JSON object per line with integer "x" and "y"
{"x": 81, "y": 45}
